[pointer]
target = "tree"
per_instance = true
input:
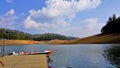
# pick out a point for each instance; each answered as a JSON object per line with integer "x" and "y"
{"x": 19, "y": 35}
{"x": 51, "y": 36}
{"x": 112, "y": 26}
{"x": 14, "y": 34}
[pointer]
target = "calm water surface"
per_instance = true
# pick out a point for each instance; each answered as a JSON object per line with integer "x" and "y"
{"x": 77, "y": 56}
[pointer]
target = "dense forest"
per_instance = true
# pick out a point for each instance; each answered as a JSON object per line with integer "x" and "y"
{"x": 14, "y": 34}
{"x": 112, "y": 26}
{"x": 19, "y": 35}
{"x": 51, "y": 36}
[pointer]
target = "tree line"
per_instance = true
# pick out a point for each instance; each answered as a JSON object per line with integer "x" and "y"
{"x": 19, "y": 35}
{"x": 14, "y": 34}
{"x": 112, "y": 26}
{"x": 51, "y": 36}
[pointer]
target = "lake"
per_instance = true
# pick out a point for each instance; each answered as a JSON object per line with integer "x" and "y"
{"x": 76, "y": 56}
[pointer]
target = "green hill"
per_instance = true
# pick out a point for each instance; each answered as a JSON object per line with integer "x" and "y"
{"x": 19, "y": 35}
{"x": 51, "y": 36}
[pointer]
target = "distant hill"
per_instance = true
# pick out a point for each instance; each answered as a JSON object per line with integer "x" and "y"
{"x": 19, "y": 35}
{"x": 51, "y": 36}
{"x": 14, "y": 34}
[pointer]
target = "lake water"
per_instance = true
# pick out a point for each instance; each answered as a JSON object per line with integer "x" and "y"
{"x": 77, "y": 56}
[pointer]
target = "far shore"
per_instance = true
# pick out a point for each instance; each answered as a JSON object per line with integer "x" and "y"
{"x": 96, "y": 39}
{"x": 20, "y": 42}
{"x": 29, "y": 42}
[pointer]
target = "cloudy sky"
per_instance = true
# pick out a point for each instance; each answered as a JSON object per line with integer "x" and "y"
{"x": 79, "y": 18}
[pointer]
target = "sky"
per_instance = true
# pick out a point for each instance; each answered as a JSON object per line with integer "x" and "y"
{"x": 78, "y": 18}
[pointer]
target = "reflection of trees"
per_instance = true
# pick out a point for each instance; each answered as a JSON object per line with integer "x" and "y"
{"x": 112, "y": 54}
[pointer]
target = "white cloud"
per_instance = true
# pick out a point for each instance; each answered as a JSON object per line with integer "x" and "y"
{"x": 87, "y": 27}
{"x": 92, "y": 23}
{"x": 10, "y": 12}
{"x": 7, "y": 20}
{"x": 91, "y": 26}
{"x": 32, "y": 24}
{"x": 87, "y": 4}
{"x": 58, "y": 15}
{"x": 57, "y": 8}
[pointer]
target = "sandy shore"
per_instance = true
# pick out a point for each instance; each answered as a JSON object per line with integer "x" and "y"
{"x": 56, "y": 41}
{"x": 97, "y": 39}
{"x": 18, "y": 42}
{"x": 25, "y": 42}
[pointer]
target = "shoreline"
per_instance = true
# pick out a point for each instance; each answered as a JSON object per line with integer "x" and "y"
{"x": 19, "y": 42}
{"x": 95, "y": 39}
{"x": 29, "y": 42}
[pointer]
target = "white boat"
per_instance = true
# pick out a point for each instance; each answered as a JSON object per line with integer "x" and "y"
{"x": 31, "y": 52}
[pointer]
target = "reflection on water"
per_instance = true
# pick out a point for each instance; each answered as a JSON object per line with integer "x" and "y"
{"x": 112, "y": 54}
{"x": 77, "y": 56}
{"x": 80, "y": 56}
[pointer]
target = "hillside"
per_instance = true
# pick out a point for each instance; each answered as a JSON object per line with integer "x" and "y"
{"x": 51, "y": 36}
{"x": 97, "y": 39}
{"x": 19, "y": 35}
{"x": 14, "y": 34}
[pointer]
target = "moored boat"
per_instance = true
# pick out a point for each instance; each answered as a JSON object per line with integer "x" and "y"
{"x": 31, "y": 52}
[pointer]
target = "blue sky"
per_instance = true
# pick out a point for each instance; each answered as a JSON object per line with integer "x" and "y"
{"x": 79, "y": 18}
